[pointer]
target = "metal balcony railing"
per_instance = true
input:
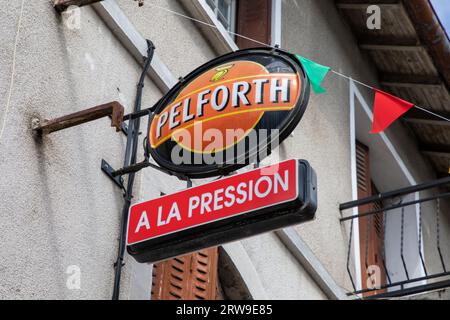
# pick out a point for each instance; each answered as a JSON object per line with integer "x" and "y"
{"x": 409, "y": 285}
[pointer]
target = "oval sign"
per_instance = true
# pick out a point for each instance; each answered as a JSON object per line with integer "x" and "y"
{"x": 229, "y": 113}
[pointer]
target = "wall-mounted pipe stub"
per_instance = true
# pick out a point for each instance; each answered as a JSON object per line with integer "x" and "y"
{"x": 113, "y": 109}
{"x": 62, "y": 5}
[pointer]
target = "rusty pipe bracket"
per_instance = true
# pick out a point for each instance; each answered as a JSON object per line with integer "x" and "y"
{"x": 62, "y": 5}
{"x": 113, "y": 109}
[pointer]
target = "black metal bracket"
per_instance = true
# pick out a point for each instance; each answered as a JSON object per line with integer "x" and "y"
{"x": 108, "y": 170}
{"x": 114, "y": 174}
{"x": 131, "y": 169}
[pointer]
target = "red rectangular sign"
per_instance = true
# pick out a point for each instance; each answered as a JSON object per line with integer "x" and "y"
{"x": 218, "y": 200}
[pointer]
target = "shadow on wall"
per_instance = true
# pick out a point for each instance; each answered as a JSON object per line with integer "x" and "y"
{"x": 231, "y": 283}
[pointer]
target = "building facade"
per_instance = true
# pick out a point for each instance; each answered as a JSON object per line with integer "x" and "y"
{"x": 61, "y": 215}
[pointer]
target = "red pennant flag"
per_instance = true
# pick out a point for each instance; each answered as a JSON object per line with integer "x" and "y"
{"x": 387, "y": 109}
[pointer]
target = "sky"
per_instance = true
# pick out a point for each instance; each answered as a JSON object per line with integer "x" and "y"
{"x": 442, "y": 8}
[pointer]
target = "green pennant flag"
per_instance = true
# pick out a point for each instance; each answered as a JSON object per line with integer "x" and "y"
{"x": 316, "y": 73}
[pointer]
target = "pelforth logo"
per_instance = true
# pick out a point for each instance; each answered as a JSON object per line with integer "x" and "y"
{"x": 237, "y": 101}
{"x": 228, "y": 110}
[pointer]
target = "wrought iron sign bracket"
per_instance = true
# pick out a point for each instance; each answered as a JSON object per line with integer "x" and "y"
{"x": 108, "y": 170}
{"x": 115, "y": 175}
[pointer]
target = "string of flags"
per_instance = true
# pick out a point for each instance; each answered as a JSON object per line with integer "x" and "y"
{"x": 387, "y": 108}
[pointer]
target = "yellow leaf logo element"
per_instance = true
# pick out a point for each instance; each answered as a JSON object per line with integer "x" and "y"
{"x": 221, "y": 72}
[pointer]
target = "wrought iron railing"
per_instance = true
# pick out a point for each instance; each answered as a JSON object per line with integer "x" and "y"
{"x": 408, "y": 285}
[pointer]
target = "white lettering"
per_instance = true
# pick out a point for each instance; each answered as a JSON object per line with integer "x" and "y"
{"x": 240, "y": 91}
{"x": 260, "y": 194}
{"x": 174, "y": 213}
{"x": 206, "y": 201}
{"x": 161, "y": 122}
{"x": 275, "y": 89}
{"x": 160, "y": 222}
{"x": 229, "y": 194}
{"x": 259, "y": 94}
{"x": 173, "y": 114}
{"x": 225, "y": 97}
{"x": 193, "y": 204}
{"x": 218, "y": 199}
{"x": 202, "y": 101}
{"x": 143, "y": 222}
{"x": 279, "y": 182}
{"x": 186, "y": 109}
{"x": 242, "y": 193}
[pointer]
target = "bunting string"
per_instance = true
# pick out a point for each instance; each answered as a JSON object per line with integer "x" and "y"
{"x": 351, "y": 79}
{"x": 387, "y": 108}
{"x": 372, "y": 88}
{"x": 207, "y": 24}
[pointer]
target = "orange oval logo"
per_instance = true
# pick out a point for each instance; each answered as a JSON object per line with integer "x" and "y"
{"x": 228, "y": 111}
{"x": 227, "y": 97}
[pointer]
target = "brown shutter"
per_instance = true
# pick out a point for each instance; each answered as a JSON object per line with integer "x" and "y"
{"x": 370, "y": 227}
{"x": 378, "y": 238}
{"x": 254, "y": 21}
{"x": 190, "y": 277}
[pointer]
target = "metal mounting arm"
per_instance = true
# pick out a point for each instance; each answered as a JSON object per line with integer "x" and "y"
{"x": 113, "y": 109}
{"x": 61, "y": 5}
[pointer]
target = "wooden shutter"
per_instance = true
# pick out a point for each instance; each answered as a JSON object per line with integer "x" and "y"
{"x": 254, "y": 21}
{"x": 190, "y": 277}
{"x": 378, "y": 237}
{"x": 371, "y": 238}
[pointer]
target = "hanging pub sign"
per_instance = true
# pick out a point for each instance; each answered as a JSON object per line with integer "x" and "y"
{"x": 222, "y": 211}
{"x": 228, "y": 113}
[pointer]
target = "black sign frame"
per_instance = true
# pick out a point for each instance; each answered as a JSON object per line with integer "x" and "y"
{"x": 212, "y": 170}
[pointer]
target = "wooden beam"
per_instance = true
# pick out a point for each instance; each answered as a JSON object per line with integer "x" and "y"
{"x": 430, "y": 122}
{"x": 390, "y": 47}
{"x": 431, "y": 34}
{"x": 412, "y": 85}
{"x": 427, "y": 119}
{"x": 61, "y": 5}
{"x": 370, "y": 39}
{"x": 410, "y": 80}
{"x": 437, "y": 150}
{"x": 362, "y": 5}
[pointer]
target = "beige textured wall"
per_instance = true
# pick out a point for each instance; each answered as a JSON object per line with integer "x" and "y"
{"x": 56, "y": 206}
{"x": 315, "y": 30}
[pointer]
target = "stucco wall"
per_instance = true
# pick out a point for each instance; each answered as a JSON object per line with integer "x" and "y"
{"x": 315, "y": 30}
{"x": 59, "y": 209}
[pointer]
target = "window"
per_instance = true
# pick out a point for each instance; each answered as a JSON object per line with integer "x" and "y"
{"x": 190, "y": 277}
{"x": 371, "y": 231}
{"x": 254, "y": 19}
{"x": 225, "y": 11}
{"x": 250, "y": 18}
